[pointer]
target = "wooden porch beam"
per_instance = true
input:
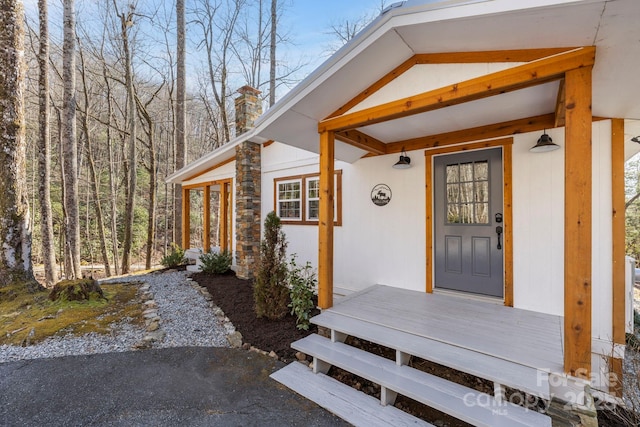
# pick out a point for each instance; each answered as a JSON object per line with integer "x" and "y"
{"x": 223, "y": 217}
{"x": 496, "y": 130}
{"x": 618, "y": 229}
{"x": 520, "y": 77}
{"x": 363, "y": 141}
{"x": 186, "y": 223}
{"x": 325, "y": 221}
{"x": 560, "y": 107}
{"x": 618, "y": 252}
{"x": 578, "y": 219}
{"x": 206, "y": 219}
{"x": 518, "y": 55}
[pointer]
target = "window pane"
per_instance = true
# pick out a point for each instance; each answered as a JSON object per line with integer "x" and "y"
{"x": 313, "y": 189}
{"x": 482, "y": 213}
{"x": 466, "y": 172}
{"x": 466, "y": 213}
{"x": 453, "y": 193}
{"x": 466, "y": 192}
{"x": 312, "y": 212}
{"x": 482, "y": 192}
{"x": 482, "y": 171}
{"x": 452, "y": 173}
{"x": 290, "y": 210}
{"x": 289, "y": 191}
{"x": 453, "y": 213}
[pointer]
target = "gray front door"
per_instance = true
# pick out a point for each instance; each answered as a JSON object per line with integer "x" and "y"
{"x": 467, "y": 213}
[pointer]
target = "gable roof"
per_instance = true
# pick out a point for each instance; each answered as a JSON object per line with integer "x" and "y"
{"x": 464, "y": 26}
{"x": 417, "y": 27}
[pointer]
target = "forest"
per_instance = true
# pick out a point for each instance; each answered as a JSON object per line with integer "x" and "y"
{"x": 119, "y": 95}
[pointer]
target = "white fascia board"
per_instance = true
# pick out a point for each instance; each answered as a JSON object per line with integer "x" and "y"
{"x": 409, "y": 14}
{"x": 218, "y": 155}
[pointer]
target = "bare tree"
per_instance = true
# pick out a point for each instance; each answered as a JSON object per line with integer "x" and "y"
{"x": 44, "y": 154}
{"x": 218, "y": 32}
{"x": 95, "y": 186}
{"x": 72, "y": 219}
{"x": 272, "y": 52}
{"x": 180, "y": 117}
{"x": 126, "y": 22}
{"x": 15, "y": 230}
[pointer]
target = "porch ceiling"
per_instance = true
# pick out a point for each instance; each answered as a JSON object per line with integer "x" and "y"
{"x": 611, "y": 26}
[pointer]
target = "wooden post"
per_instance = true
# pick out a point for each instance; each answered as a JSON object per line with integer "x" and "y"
{"x": 186, "y": 223}
{"x": 223, "y": 228}
{"x": 577, "y": 221}
{"x": 428, "y": 168}
{"x": 618, "y": 252}
{"x": 206, "y": 220}
{"x": 325, "y": 223}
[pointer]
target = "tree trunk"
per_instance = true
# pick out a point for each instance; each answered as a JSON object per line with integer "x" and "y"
{"x": 95, "y": 186}
{"x": 181, "y": 151}
{"x": 44, "y": 155}
{"x": 126, "y": 22}
{"x": 272, "y": 53}
{"x": 72, "y": 219}
{"x": 112, "y": 177}
{"x": 15, "y": 230}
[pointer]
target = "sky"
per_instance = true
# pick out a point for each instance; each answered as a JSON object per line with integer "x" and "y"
{"x": 308, "y": 23}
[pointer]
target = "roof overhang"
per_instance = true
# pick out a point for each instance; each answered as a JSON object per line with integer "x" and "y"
{"x": 421, "y": 27}
{"x": 220, "y": 155}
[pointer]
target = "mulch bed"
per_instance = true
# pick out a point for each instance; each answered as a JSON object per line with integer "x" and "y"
{"x": 235, "y": 297}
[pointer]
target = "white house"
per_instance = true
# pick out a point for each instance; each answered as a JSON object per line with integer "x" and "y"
{"x": 488, "y": 256}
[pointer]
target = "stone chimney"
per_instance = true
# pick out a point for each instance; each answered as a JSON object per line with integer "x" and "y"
{"x": 248, "y": 185}
{"x": 248, "y": 108}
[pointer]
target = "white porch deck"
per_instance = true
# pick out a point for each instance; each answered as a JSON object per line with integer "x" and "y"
{"x": 525, "y": 337}
{"x": 510, "y": 347}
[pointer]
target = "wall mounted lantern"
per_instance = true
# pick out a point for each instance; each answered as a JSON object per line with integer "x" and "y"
{"x": 544, "y": 144}
{"x": 404, "y": 162}
{"x": 636, "y": 139}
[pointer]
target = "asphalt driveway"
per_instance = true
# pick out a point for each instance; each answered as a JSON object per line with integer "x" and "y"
{"x": 192, "y": 386}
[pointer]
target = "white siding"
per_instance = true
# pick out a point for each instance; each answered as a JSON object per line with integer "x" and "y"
{"x": 386, "y": 245}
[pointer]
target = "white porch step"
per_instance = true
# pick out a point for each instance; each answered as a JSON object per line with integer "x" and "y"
{"x": 500, "y": 371}
{"x": 456, "y": 400}
{"x": 349, "y": 404}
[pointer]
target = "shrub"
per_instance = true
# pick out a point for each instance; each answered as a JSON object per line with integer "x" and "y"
{"x": 270, "y": 292}
{"x": 174, "y": 258}
{"x": 216, "y": 262}
{"x": 302, "y": 284}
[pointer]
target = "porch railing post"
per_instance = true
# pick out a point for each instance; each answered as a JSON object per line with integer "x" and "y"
{"x": 206, "y": 220}
{"x": 186, "y": 223}
{"x": 325, "y": 223}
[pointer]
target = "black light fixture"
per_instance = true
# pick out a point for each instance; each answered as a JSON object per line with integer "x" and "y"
{"x": 636, "y": 139}
{"x": 544, "y": 144}
{"x": 404, "y": 162}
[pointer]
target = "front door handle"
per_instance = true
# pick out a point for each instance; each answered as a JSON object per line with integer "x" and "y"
{"x": 499, "y": 233}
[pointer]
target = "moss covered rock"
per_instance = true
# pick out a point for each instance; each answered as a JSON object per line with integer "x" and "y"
{"x": 76, "y": 290}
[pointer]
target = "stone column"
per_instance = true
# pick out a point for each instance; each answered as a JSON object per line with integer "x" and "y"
{"x": 248, "y": 174}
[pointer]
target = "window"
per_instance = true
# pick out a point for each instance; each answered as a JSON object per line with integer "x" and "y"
{"x": 468, "y": 193}
{"x": 289, "y": 199}
{"x": 297, "y": 199}
{"x": 313, "y": 198}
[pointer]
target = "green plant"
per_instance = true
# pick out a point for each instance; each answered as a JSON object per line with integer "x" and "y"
{"x": 174, "y": 258}
{"x": 216, "y": 262}
{"x": 270, "y": 291}
{"x": 302, "y": 284}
